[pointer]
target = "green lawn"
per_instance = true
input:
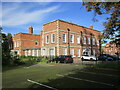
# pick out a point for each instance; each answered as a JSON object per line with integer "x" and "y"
{"x": 16, "y": 77}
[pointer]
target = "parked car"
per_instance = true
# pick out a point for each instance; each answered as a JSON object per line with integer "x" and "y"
{"x": 105, "y": 57}
{"x": 87, "y": 57}
{"x": 63, "y": 59}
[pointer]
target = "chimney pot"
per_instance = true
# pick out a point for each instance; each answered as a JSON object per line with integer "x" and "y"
{"x": 30, "y": 29}
{"x": 91, "y": 26}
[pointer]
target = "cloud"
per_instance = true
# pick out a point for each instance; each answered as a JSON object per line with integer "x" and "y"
{"x": 20, "y": 15}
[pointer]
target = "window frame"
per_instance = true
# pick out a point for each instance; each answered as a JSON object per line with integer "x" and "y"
{"x": 78, "y": 39}
{"x": 52, "y": 39}
{"x": 47, "y": 39}
{"x": 72, "y": 39}
{"x": 64, "y": 38}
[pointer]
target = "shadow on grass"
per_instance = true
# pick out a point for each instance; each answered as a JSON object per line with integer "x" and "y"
{"x": 81, "y": 79}
{"x": 11, "y": 67}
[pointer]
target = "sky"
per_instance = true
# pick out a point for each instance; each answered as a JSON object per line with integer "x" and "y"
{"x": 18, "y": 16}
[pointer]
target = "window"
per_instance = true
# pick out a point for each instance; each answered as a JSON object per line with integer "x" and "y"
{"x": 93, "y": 41}
{"x": 14, "y": 44}
{"x": 72, "y": 52}
{"x": 72, "y": 38}
{"x": 94, "y": 52}
{"x": 36, "y": 43}
{"x": 44, "y": 52}
{"x": 47, "y": 39}
{"x": 25, "y": 52}
{"x": 98, "y": 42}
{"x": 78, "y": 52}
{"x": 52, "y": 52}
{"x": 29, "y": 52}
{"x": 89, "y": 40}
{"x": 37, "y": 52}
{"x": 64, "y": 51}
{"x": 78, "y": 39}
{"x": 53, "y": 38}
{"x": 84, "y": 40}
{"x": 33, "y": 52}
{"x": 64, "y": 37}
{"x": 17, "y": 44}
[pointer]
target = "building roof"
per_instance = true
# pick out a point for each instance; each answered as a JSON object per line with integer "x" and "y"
{"x": 27, "y": 33}
{"x": 70, "y": 23}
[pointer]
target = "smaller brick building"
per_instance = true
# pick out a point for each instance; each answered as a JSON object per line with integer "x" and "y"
{"x": 27, "y": 44}
{"x": 111, "y": 48}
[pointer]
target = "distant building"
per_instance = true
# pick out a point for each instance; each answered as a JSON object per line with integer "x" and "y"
{"x": 111, "y": 48}
{"x": 58, "y": 38}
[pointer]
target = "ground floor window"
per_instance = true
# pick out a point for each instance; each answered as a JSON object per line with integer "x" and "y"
{"x": 26, "y": 53}
{"x": 64, "y": 51}
{"x": 43, "y": 52}
{"x": 78, "y": 52}
{"x": 52, "y": 52}
{"x": 33, "y": 52}
{"x": 72, "y": 52}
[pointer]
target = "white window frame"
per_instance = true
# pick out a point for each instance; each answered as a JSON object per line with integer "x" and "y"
{"x": 72, "y": 52}
{"x": 78, "y": 52}
{"x": 78, "y": 39}
{"x": 98, "y": 42}
{"x": 33, "y": 52}
{"x": 52, "y": 39}
{"x": 29, "y": 52}
{"x": 26, "y": 53}
{"x": 89, "y": 40}
{"x": 72, "y": 39}
{"x": 93, "y": 41}
{"x": 53, "y": 51}
{"x": 14, "y": 44}
{"x": 64, "y": 50}
{"x": 64, "y": 38}
{"x": 84, "y": 40}
{"x": 47, "y": 39}
{"x": 44, "y": 52}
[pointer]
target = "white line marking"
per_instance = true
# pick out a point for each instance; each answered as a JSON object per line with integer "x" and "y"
{"x": 41, "y": 84}
{"x": 99, "y": 73}
{"x": 86, "y": 80}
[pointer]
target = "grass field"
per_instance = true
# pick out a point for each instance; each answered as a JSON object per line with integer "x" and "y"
{"x": 59, "y": 76}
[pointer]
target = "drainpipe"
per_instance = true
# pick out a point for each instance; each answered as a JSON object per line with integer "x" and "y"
{"x": 68, "y": 41}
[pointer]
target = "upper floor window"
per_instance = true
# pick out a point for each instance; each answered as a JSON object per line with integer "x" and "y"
{"x": 89, "y": 40}
{"x": 93, "y": 41}
{"x": 36, "y": 43}
{"x": 84, "y": 40}
{"x": 78, "y": 39}
{"x": 52, "y": 38}
{"x": 17, "y": 44}
{"x": 47, "y": 39}
{"x": 72, "y": 38}
{"x": 64, "y": 37}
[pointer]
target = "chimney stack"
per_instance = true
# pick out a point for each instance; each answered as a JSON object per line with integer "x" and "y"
{"x": 30, "y": 29}
{"x": 91, "y": 26}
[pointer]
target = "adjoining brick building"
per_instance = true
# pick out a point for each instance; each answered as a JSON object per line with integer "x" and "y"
{"x": 58, "y": 38}
{"x": 112, "y": 48}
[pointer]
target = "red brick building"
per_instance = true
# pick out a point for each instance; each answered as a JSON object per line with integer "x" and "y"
{"x": 111, "y": 48}
{"x": 58, "y": 38}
